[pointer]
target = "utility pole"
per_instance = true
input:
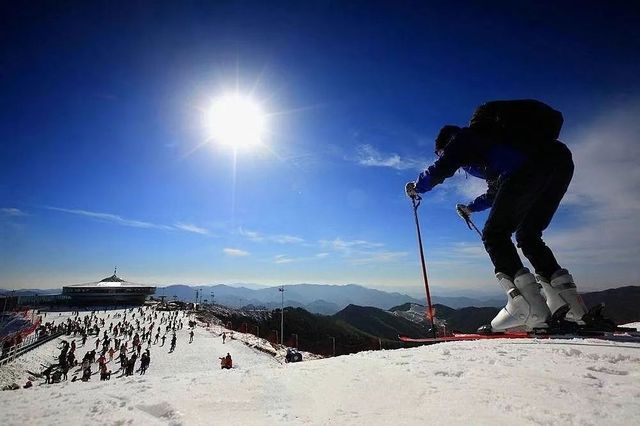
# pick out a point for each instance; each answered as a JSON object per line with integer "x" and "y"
{"x": 281, "y": 289}
{"x": 6, "y": 297}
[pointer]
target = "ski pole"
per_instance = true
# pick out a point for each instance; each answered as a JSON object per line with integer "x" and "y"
{"x": 416, "y": 203}
{"x": 467, "y": 220}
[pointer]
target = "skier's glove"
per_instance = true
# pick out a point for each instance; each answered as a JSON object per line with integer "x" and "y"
{"x": 410, "y": 189}
{"x": 463, "y": 211}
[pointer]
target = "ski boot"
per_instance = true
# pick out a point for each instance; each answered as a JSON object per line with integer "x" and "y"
{"x": 526, "y": 309}
{"x": 562, "y": 291}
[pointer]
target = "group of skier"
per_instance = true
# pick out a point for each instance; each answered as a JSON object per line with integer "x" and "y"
{"x": 125, "y": 336}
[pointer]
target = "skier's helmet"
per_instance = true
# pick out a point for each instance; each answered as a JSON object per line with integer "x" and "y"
{"x": 444, "y": 137}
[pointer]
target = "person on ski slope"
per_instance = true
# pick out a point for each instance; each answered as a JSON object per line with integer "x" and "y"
{"x": 513, "y": 146}
{"x": 226, "y": 362}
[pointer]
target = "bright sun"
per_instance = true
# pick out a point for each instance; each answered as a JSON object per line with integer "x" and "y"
{"x": 236, "y": 121}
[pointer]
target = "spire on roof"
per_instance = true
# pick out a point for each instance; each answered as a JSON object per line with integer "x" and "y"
{"x": 113, "y": 278}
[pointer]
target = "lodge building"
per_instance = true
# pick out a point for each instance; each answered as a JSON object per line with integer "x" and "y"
{"x": 112, "y": 290}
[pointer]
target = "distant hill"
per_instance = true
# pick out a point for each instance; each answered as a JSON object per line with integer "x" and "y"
{"x": 465, "y": 320}
{"x": 322, "y": 307}
{"x": 379, "y": 323}
{"x": 316, "y": 333}
{"x": 622, "y": 304}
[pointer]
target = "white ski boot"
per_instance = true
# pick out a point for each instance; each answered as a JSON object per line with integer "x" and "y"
{"x": 526, "y": 309}
{"x": 562, "y": 291}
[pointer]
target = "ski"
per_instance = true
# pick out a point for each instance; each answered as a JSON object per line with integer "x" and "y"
{"x": 626, "y": 336}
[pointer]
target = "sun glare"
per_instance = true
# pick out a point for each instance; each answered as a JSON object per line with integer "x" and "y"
{"x": 236, "y": 121}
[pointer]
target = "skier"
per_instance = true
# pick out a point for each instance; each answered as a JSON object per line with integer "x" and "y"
{"x": 163, "y": 338}
{"x": 224, "y": 337}
{"x": 173, "y": 343}
{"x": 513, "y": 146}
{"x": 131, "y": 365}
{"x": 191, "y": 337}
{"x": 144, "y": 362}
{"x": 64, "y": 369}
{"x": 86, "y": 371}
{"x": 104, "y": 373}
{"x": 71, "y": 359}
{"x": 123, "y": 360}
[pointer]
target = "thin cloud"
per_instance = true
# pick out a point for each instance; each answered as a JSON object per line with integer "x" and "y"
{"x": 381, "y": 257}
{"x": 470, "y": 251}
{"x": 119, "y": 220}
{"x": 338, "y": 244}
{"x": 468, "y": 187}
{"x": 251, "y": 235}
{"x": 235, "y": 252}
{"x": 189, "y": 227}
{"x": 360, "y": 252}
{"x": 286, "y": 239}
{"x": 282, "y": 258}
{"x": 108, "y": 217}
{"x": 367, "y": 155}
{"x": 277, "y": 238}
{"x": 11, "y": 212}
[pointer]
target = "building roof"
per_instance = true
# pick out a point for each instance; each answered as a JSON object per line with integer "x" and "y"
{"x": 112, "y": 281}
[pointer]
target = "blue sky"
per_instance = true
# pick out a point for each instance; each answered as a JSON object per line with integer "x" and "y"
{"x": 101, "y": 132}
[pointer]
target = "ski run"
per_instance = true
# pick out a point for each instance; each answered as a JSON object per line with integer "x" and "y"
{"x": 583, "y": 381}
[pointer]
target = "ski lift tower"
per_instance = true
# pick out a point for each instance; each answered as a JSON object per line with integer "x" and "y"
{"x": 281, "y": 290}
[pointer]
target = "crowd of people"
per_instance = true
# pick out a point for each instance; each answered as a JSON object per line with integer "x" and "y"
{"x": 125, "y": 336}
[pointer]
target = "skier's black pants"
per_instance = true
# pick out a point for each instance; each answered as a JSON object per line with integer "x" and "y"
{"x": 525, "y": 204}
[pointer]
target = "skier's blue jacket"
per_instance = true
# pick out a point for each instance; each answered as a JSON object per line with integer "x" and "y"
{"x": 480, "y": 157}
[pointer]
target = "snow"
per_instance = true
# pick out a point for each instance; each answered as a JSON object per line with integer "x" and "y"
{"x": 481, "y": 382}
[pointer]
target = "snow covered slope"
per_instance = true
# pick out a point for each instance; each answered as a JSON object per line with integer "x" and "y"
{"x": 483, "y": 382}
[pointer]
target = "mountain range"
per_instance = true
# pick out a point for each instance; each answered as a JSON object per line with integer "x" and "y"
{"x": 315, "y": 298}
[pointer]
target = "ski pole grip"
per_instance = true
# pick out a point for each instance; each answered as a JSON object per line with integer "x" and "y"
{"x": 416, "y": 199}
{"x": 463, "y": 215}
